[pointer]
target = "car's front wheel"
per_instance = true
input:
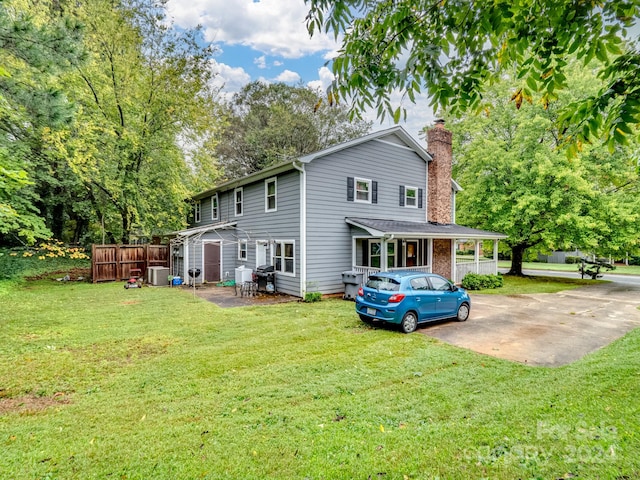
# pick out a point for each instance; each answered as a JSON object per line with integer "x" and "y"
{"x": 463, "y": 312}
{"x": 409, "y": 322}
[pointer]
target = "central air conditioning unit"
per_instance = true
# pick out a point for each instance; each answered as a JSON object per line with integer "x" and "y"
{"x": 158, "y": 276}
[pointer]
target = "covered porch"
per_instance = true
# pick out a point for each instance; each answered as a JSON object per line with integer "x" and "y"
{"x": 388, "y": 245}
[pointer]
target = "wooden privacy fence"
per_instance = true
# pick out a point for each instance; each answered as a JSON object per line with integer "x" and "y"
{"x": 114, "y": 262}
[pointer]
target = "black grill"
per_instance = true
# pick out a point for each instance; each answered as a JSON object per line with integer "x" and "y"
{"x": 266, "y": 277}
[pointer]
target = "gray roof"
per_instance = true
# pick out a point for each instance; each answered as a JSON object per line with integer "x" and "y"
{"x": 380, "y": 227}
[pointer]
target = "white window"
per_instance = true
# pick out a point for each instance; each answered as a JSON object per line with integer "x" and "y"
{"x": 214, "y": 207}
{"x": 363, "y": 190}
{"x": 411, "y": 197}
{"x": 375, "y": 254}
{"x": 284, "y": 257}
{"x": 270, "y": 193}
{"x": 238, "y": 196}
{"x": 391, "y": 254}
{"x": 242, "y": 250}
{"x": 197, "y": 208}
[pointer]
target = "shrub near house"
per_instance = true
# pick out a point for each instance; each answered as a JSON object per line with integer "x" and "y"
{"x": 475, "y": 281}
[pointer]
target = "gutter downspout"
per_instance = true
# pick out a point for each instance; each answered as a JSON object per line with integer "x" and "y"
{"x": 303, "y": 226}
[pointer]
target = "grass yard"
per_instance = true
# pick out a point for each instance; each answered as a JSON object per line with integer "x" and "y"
{"x": 101, "y": 382}
{"x": 567, "y": 267}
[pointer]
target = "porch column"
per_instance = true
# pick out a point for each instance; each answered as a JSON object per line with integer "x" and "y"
{"x": 354, "y": 247}
{"x": 476, "y": 255}
{"x": 495, "y": 257}
{"x": 454, "y": 266}
{"x": 430, "y": 254}
{"x": 383, "y": 254}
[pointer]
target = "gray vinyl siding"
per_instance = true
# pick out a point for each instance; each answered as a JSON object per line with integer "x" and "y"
{"x": 255, "y": 224}
{"x": 329, "y": 244}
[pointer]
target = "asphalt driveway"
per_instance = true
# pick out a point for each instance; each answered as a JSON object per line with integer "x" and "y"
{"x": 545, "y": 329}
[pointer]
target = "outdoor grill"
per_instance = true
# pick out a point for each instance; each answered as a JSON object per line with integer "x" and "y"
{"x": 193, "y": 273}
{"x": 266, "y": 278}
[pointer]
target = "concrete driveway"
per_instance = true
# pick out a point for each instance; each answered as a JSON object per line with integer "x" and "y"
{"x": 545, "y": 329}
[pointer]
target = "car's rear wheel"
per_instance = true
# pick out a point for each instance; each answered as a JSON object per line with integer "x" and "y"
{"x": 409, "y": 322}
{"x": 463, "y": 312}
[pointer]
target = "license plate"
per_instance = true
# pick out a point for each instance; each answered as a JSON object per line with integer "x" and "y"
{"x": 371, "y": 311}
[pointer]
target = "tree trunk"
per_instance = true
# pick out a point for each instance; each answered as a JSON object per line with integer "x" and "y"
{"x": 517, "y": 254}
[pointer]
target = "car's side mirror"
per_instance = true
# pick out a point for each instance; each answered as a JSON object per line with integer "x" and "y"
{"x": 454, "y": 288}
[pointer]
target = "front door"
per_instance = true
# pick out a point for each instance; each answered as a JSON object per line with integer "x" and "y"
{"x": 212, "y": 262}
{"x": 411, "y": 259}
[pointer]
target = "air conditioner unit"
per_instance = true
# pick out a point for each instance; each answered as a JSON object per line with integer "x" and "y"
{"x": 158, "y": 276}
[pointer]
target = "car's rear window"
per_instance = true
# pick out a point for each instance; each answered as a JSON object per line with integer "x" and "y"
{"x": 383, "y": 283}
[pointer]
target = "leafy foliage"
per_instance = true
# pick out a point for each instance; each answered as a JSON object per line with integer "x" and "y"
{"x": 518, "y": 181}
{"x": 452, "y": 50}
{"x": 476, "y": 281}
{"x": 33, "y": 56}
{"x": 270, "y": 123}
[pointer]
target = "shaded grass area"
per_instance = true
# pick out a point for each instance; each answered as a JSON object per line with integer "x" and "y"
{"x": 101, "y": 382}
{"x": 514, "y": 285}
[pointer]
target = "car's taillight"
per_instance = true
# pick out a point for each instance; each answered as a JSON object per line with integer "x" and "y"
{"x": 396, "y": 298}
{"x": 361, "y": 292}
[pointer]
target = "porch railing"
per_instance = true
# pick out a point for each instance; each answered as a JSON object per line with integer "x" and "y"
{"x": 483, "y": 267}
{"x": 368, "y": 271}
{"x": 420, "y": 268}
{"x": 365, "y": 271}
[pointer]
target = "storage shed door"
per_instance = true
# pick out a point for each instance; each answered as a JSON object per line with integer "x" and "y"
{"x": 212, "y": 262}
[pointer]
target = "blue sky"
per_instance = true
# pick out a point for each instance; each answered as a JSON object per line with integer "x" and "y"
{"x": 267, "y": 40}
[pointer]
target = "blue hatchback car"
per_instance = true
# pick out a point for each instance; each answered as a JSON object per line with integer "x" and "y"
{"x": 410, "y": 298}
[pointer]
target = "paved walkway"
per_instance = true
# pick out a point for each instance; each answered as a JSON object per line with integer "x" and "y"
{"x": 545, "y": 329}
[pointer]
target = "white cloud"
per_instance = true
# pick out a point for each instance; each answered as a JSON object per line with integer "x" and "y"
{"x": 260, "y": 62}
{"x": 274, "y": 27}
{"x": 325, "y": 77}
{"x": 288, "y": 77}
{"x": 232, "y": 78}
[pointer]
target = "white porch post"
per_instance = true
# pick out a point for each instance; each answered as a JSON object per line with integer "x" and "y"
{"x": 383, "y": 254}
{"x": 430, "y": 253}
{"x": 495, "y": 256}
{"x": 454, "y": 268}
{"x": 476, "y": 255}
{"x": 353, "y": 252}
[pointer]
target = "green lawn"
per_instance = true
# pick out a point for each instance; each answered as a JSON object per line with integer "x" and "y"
{"x": 101, "y": 382}
{"x": 564, "y": 267}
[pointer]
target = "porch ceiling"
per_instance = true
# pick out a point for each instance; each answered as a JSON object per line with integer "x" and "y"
{"x": 402, "y": 228}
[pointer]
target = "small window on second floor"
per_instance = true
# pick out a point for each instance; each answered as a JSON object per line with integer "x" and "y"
{"x": 363, "y": 190}
{"x": 411, "y": 197}
{"x": 270, "y": 195}
{"x": 214, "y": 207}
{"x": 238, "y": 198}
{"x": 197, "y": 208}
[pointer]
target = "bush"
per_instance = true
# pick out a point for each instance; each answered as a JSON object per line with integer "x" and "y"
{"x": 572, "y": 259}
{"x": 475, "y": 281}
{"x": 311, "y": 297}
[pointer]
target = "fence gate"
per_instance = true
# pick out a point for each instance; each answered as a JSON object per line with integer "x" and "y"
{"x": 114, "y": 262}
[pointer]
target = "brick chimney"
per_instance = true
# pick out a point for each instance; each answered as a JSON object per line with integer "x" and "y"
{"x": 439, "y": 174}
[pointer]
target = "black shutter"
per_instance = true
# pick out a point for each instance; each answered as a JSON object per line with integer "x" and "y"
{"x": 350, "y": 188}
{"x": 420, "y": 195}
{"x": 374, "y": 192}
{"x": 402, "y": 195}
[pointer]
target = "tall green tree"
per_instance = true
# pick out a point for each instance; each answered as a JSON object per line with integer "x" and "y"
{"x": 142, "y": 95}
{"x": 35, "y": 52}
{"x": 270, "y": 123}
{"x": 518, "y": 180}
{"x": 451, "y": 50}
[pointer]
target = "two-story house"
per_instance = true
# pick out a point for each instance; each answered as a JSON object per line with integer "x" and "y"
{"x": 379, "y": 202}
